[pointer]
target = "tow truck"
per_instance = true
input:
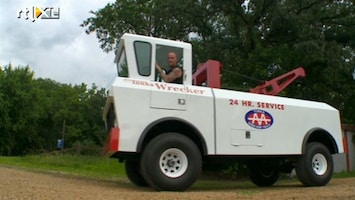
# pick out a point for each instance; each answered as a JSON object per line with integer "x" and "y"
{"x": 164, "y": 132}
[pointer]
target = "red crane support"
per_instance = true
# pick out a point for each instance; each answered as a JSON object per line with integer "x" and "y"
{"x": 209, "y": 73}
{"x": 276, "y": 85}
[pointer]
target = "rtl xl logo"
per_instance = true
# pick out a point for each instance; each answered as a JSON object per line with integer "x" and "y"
{"x": 39, "y": 13}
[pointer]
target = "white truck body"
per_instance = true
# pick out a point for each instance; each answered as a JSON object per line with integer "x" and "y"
{"x": 221, "y": 116}
{"x": 222, "y": 122}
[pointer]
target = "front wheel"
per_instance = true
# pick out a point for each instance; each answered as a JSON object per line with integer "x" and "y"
{"x": 315, "y": 166}
{"x": 171, "y": 161}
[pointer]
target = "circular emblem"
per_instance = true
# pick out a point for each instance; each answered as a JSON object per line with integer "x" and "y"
{"x": 259, "y": 119}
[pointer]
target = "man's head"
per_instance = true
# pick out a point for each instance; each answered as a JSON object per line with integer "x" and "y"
{"x": 172, "y": 59}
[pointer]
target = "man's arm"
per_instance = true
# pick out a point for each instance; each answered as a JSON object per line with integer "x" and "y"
{"x": 176, "y": 73}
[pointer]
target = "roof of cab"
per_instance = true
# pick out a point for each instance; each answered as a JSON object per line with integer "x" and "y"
{"x": 175, "y": 43}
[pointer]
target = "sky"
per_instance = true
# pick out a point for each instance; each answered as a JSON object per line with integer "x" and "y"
{"x": 58, "y": 49}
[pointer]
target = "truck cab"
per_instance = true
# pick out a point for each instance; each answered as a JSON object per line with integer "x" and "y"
{"x": 146, "y": 53}
{"x": 166, "y": 132}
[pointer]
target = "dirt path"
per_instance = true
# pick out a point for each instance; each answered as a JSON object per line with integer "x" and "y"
{"x": 23, "y": 184}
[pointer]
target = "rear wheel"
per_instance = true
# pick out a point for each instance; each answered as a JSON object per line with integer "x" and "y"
{"x": 133, "y": 173}
{"x": 171, "y": 162}
{"x": 315, "y": 166}
{"x": 263, "y": 174}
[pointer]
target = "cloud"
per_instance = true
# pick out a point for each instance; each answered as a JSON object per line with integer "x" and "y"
{"x": 57, "y": 49}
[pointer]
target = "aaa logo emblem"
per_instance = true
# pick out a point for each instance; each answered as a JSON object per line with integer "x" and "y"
{"x": 259, "y": 119}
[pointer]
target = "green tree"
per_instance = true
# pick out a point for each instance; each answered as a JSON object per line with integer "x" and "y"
{"x": 92, "y": 128}
{"x": 33, "y": 112}
{"x": 75, "y": 109}
{"x": 161, "y": 18}
{"x": 277, "y": 36}
{"x": 19, "y": 110}
{"x": 5, "y": 140}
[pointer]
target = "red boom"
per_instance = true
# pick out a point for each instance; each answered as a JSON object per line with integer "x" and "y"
{"x": 276, "y": 85}
{"x": 209, "y": 73}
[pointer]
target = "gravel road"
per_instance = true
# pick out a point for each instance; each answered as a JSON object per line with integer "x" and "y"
{"x": 24, "y": 184}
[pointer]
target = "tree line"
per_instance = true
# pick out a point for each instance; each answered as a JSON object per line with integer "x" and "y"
{"x": 35, "y": 113}
{"x": 258, "y": 38}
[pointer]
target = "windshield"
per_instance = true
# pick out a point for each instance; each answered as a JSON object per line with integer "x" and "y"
{"x": 143, "y": 52}
{"x": 122, "y": 68}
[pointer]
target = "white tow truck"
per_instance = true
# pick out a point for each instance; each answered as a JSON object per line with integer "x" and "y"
{"x": 165, "y": 132}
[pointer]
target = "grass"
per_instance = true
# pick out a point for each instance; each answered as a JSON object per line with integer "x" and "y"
{"x": 86, "y": 166}
{"x": 344, "y": 174}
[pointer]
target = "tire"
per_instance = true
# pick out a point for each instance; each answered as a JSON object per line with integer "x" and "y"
{"x": 262, "y": 174}
{"x": 133, "y": 173}
{"x": 315, "y": 166}
{"x": 171, "y": 162}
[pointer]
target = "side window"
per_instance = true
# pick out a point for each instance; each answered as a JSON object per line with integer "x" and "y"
{"x": 162, "y": 52}
{"x": 122, "y": 68}
{"x": 143, "y": 51}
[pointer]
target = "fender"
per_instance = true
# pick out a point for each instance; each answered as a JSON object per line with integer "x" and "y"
{"x": 317, "y": 135}
{"x": 195, "y": 135}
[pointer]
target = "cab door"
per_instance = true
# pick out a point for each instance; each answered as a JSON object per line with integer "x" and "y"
{"x": 167, "y": 95}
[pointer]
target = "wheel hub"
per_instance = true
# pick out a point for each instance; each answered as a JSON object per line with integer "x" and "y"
{"x": 173, "y": 163}
{"x": 319, "y": 164}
